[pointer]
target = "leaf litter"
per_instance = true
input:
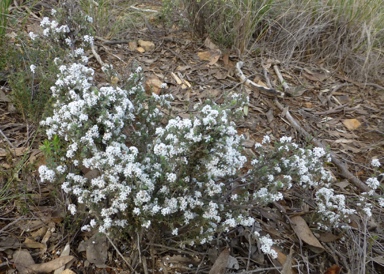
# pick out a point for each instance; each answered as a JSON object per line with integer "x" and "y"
{"x": 195, "y": 71}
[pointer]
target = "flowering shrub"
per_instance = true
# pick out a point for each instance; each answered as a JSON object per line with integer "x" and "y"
{"x": 136, "y": 168}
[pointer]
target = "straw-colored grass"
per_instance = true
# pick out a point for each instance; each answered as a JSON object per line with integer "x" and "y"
{"x": 344, "y": 34}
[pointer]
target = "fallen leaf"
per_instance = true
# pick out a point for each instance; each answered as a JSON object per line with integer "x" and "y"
{"x": 335, "y": 269}
{"x": 64, "y": 253}
{"x": 328, "y": 237}
{"x": 220, "y": 75}
{"x": 22, "y": 260}
{"x": 68, "y": 271}
{"x": 181, "y": 259}
{"x": 296, "y": 91}
{"x": 226, "y": 59}
{"x": 9, "y": 243}
{"x": 183, "y": 68}
{"x": 132, "y": 45}
{"x": 315, "y": 76}
{"x": 114, "y": 80}
{"x": 4, "y": 97}
{"x": 140, "y": 49}
{"x": 92, "y": 174}
{"x": 342, "y": 184}
{"x": 351, "y": 124}
{"x": 343, "y": 141}
{"x": 177, "y": 79}
{"x": 212, "y": 56}
{"x": 16, "y": 152}
{"x": 233, "y": 263}
{"x": 96, "y": 249}
{"x": 153, "y": 85}
{"x": 287, "y": 267}
{"x": 219, "y": 267}
{"x": 379, "y": 260}
{"x": 308, "y": 104}
{"x": 281, "y": 257}
{"x": 303, "y": 231}
{"x": 209, "y": 44}
{"x": 39, "y": 233}
{"x": 146, "y": 45}
{"x": 51, "y": 265}
{"x": 30, "y": 243}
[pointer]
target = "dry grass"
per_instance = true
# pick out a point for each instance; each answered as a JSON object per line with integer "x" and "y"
{"x": 346, "y": 35}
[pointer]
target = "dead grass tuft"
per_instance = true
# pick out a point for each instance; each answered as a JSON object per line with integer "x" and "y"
{"x": 346, "y": 35}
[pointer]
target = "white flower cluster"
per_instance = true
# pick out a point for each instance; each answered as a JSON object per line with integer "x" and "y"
{"x": 52, "y": 27}
{"x": 169, "y": 178}
{"x": 332, "y": 207}
{"x": 278, "y": 168}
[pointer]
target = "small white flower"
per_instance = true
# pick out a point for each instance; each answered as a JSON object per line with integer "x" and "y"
{"x": 373, "y": 183}
{"x": 171, "y": 177}
{"x": 266, "y": 140}
{"x": 32, "y": 36}
{"x": 45, "y": 22}
{"x": 53, "y": 12}
{"x": 367, "y": 211}
{"x": 381, "y": 202}
{"x": 88, "y": 39}
{"x": 46, "y": 174}
{"x": 85, "y": 228}
{"x": 146, "y": 224}
{"x": 375, "y": 163}
{"x": 285, "y": 139}
{"x": 266, "y": 244}
{"x": 89, "y": 18}
{"x": 32, "y": 68}
{"x": 72, "y": 209}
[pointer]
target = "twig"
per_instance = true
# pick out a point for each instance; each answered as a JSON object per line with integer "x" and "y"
{"x": 97, "y": 56}
{"x": 114, "y": 55}
{"x": 144, "y": 10}
{"x": 121, "y": 255}
{"x": 281, "y": 79}
{"x": 252, "y": 84}
{"x": 267, "y": 269}
{"x": 111, "y": 42}
{"x": 145, "y": 266}
{"x": 337, "y": 109}
{"x": 10, "y": 224}
{"x": 138, "y": 247}
{"x": 191, "y": 253}
{"x": 6, "y": 139}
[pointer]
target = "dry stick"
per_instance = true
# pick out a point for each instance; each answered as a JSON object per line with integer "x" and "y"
{"x": 267, "y": 269}
{"x": 281, "y": 79}
{"x": 6, "y": 139}
{"x": 252, "y": 84}
{"x": 121, "y": 255}
{"x": 344, "y": 171}
{"x": 97, "y": 56}
{"x": 143, "y": 10}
